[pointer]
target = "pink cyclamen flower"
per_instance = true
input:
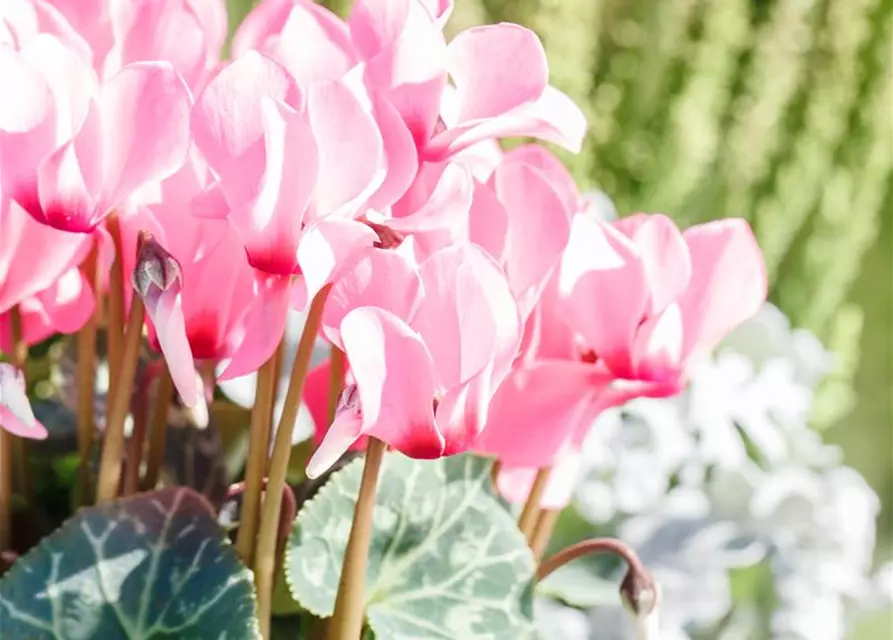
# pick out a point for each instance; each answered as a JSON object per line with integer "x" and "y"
{"x": 69, "y": 156}
{"x": 635, "y": 304}
{"x": 427, "y": 345}
{"x": 189, "y": 34}
{"x": 16, "y": 416}
{"x": 294, "y": 166}
{"x": 39, "y": 274}
{"x": 201, "y": 286}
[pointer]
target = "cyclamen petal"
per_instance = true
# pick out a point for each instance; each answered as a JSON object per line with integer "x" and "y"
{"x": 158, "y": 281}
{"x": 16, "y": 415}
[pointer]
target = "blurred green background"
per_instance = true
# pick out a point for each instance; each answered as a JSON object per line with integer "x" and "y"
{"x": 778, "y": 111}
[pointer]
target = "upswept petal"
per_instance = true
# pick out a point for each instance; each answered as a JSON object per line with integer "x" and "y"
{"x": 462, "y": 412}
{"x": 496, "y": 68}
{"x": 16, "y": 416}
{"x": 399, "y": 156}
{"x": 263, "y": 22}
{"x": 350, "y": 148}
{"x": 553, "y": 169}
{"x": 342, "y": 435}
{"x": 531, "y": 414}
{"x": 554, "y": 117}
{"x": 395, "y": 378}
{"x": 327, "y": 248}
{"x": 264, "y": 325}
{"x": 145, "y": 128}
{"x": 381, "y": 278}
{"x": 270, "y": 222}
{"x": 488, "y": 223}
{"x": 728, "y": 283}
{"x": 227, "y": 121}
{"x": 539, "y": 227}
{"x": 311, "y": 27}
{"x": 664, "y": 254}
{"x": 604, "y": 290}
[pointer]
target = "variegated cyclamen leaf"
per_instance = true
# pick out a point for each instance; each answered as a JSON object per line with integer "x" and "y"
{"x": 446, "y": 559}
{"x": 156, "y": 565}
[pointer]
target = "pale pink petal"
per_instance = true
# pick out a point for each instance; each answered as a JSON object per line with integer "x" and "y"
{"x": 270, "y": 222}
{"x": 405, "y": 53}
{"x": 395, "y": 378}
{"x": 553, "y": 117}
{"x": 145, "y": 120}
{"x": 210, "y": 204}
{"x": 32, "y": 255}
{"x": 728, "y": 283}
{"x": 227, "y": 122}
{"x": 263, "y": 22}
{"x": 553, "y": 169}
{"x": 488, "y": 223}
{"x": 455, "y": 317}
{"x": 16, "y": 416}
{"x": 657, "y": 351}
{"x": 67, "y": 304}
{"x": 312, "y": 28}
{"x": 399, "y": 155}
{"x": 65, "y": 199}
{"x": 167, "y": 30}
{"x": 350, "y": 146}
{"x": 604, "y": 290}
{"x": 339, "y": 438}
{"x": 316, "y": 397}
{"x": 462, "y": 412}
{"x": 664, "y": 254}
{"x": 547, "y": 334}
{"x": 440, "y": 10}
{"x": 532, "y": 413}
{"x": 264, "y": 325}
{"x": 328, "y": 247}
{"x": 496, "y": 68}
{"x": 539, "y": 226}
{"x": 27, "y": 127}
{"x": 381, "y": 278}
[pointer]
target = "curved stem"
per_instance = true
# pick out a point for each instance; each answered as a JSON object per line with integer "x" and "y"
{"x": 347, "y": 619}
{"x": 265, "y": 554}
{"x": 592, "y": 547}
{"x": 115, "y": 323}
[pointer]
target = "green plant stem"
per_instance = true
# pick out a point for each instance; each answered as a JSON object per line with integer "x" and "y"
{"x": 113, "y": 444}
{"x": 347, "y": 620}
{"x": 530, "y": 512}
{"x": 265, "y": 554}
{"x": 337, "y": 364}
{"x": 258, "y": 455}
{"x": 591, "y": 547}
{"x": 19, "y": 356}
{"x": 86, "y": 377}
{"x": 158, "y": 430}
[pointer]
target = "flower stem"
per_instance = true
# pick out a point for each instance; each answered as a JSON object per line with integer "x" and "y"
{"x": 135, "y": 445}
{"x": 336, "y": 380}
{"x": 86, "y": 376}
{"x": 19, "y": 357}
{"x": 265, "y": 554}
{"x": 542, "y": 533}
{"x": 113, "y": 445}
{"x": 347, "y": 620}
{"x": 591, "y": 547}
{"x": 158, "y": 430}
{"x": 258, "y": 456}
{"x": 531, "y": 510}
{"x": 115, "y": 324}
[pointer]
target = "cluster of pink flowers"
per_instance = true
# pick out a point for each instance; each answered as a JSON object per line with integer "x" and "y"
{"x": 479, "y": 304}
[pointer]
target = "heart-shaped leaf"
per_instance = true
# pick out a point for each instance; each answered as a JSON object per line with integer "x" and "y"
{"x": 446, "y": 560}
{"x": 156, "y": 565}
